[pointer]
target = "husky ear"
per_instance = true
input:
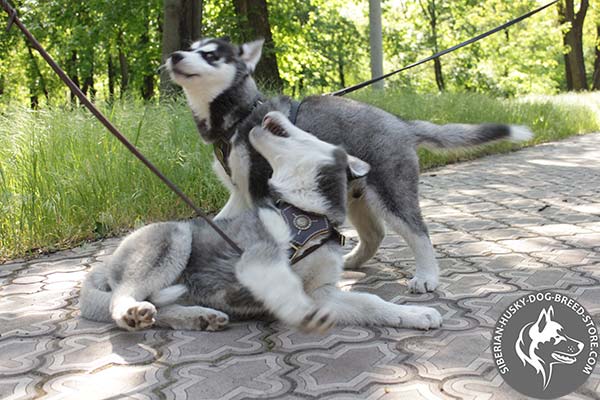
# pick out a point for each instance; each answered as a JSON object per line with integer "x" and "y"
{"x": 544, "y": 318}
{"x": 226, "y": 38}
{"x": 357, "y": 168}
{"x": 250, "y": 53}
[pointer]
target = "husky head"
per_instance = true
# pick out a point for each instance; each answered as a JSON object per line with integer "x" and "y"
{"x": 307, "y": 172}
{"x": 215, "y": 77}
{"x": 543, "y": 344}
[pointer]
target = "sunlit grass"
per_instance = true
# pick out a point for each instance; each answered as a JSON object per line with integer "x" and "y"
{"x": 64, "y": 179}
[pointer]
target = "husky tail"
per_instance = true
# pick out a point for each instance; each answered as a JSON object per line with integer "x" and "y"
{"x": 95, "y": 297}
{"x": 464, "y": 135}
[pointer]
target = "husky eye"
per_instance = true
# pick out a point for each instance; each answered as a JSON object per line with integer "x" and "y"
{"x": 209, "y": 56}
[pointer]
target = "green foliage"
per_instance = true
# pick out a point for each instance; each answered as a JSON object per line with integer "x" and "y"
{"x": 64, "y": 179}
{"x": 321, "y": 45}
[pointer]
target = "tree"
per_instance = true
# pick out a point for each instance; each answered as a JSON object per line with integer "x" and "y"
{"x": 573, "y": 41}
{"x": 253, "y": 20}
{"x": 376, "y": 41}
{"x": 181, "y": 25}
{"x": 596, "y": 76}
{"x": 430, "y": 10}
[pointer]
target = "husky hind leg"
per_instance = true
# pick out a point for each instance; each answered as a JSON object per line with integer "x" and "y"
{"x": 194, "y": 318}
{"x": 369, "y": 227}
{"x": 398, "y": 200}
{"x": 145, "y": 267}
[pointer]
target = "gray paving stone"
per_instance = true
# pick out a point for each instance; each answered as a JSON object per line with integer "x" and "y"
{"x": 502, "y": 226}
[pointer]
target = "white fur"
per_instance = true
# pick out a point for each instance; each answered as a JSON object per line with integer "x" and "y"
{"x": 207, "y": 83}
{"x": 208, "y": 47}
{"x": 252, "y": 52}
{"x": 296, "y": 162}
{"x": 520, "y": 133}
{"x": 168, "y": 295}
{"x": 276, "y": 286}
{"x": 276, "y": 225}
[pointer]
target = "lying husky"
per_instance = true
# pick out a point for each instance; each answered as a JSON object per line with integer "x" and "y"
{"x": 216, "y": 78}
{"x": 169, "y": 274}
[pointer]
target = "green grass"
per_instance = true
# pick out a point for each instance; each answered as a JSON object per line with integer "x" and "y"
{"x": 64, "y": 179}
{"x": 551, "y": 118}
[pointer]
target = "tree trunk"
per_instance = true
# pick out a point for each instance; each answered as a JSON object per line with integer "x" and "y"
{"x": 375, "y": 42}
{"x": 253, "y": 17}
{"x": 596, "y": 76}
{"x": 123, "y": 67}
{"x": 430, "y": 11}
{"x": 39, "y": 83}
{"x": 181, "y": 25}
{"x": 88, "y": 79}
{"x": 72, "y": 72}
{"x": 573, "y": 41}
{"x": 111, "y": 78}
{"x": 341, "y": 74}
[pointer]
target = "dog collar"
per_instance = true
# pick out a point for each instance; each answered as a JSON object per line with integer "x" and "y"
{"x": 309, "y": 231}
{"x": 222, "y": 146}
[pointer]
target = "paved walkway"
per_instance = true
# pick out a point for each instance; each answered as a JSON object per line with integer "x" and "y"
{"x": 503, "y": 225}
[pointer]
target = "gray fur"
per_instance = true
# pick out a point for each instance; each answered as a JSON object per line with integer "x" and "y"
{"x": 381, "y": 139}
{"x": 188, "y": 259}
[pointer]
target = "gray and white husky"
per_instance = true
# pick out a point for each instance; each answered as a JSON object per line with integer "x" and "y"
{"x": 182, "y": 275}
{"x": 216, "y": 78}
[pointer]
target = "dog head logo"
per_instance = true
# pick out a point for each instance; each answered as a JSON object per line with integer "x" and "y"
{"x": 543, "y": 344}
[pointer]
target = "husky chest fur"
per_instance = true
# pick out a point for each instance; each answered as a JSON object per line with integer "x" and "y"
{"x": 216, "y": 78}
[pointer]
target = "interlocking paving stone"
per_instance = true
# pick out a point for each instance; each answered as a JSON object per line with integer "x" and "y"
{"x": 502, "y": 226}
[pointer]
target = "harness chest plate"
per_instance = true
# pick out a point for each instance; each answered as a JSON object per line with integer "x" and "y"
{"x": 309, "y": 231}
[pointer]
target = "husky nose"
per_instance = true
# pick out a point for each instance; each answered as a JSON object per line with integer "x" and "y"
{"x": 176, "y": 57}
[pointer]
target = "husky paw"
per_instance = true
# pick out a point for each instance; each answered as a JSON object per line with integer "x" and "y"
{"x": 423, "y": 284}
{"x": 211, "y": 321}
{"x": 319, "y": 319}
{"x": 419, "y": 317}
{"x": 139, "y": 316}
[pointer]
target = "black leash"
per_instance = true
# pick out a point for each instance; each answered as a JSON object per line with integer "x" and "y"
{"x": 361, "y": 85}
{"x": 14, "y": 19}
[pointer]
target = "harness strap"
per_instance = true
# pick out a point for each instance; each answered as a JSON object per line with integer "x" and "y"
{"x": 294, "y": 107}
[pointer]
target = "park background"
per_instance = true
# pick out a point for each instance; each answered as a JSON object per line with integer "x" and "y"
{"x": 63, "y": 180}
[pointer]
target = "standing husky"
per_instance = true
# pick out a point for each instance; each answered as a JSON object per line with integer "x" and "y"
{"x": 185, "y": 267}
{"x": 216, "y": 78}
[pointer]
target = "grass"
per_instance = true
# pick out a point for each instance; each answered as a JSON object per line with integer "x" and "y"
{"x": 65, "y": 180}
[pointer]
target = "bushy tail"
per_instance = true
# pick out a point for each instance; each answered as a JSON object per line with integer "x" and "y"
{"x": 95, "y": 297}
{"x": 464, "y": 135}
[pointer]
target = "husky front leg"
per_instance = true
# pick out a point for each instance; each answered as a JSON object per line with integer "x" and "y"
{"x": 369, "y": 309}
{"x": 265, "y": 271}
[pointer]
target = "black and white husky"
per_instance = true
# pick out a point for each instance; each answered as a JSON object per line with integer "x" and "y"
{"x": 216, "y": 78}
{"x": 182, "y": 275}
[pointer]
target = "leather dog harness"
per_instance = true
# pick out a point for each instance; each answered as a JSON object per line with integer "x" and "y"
{"x": 309, "y": 230}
